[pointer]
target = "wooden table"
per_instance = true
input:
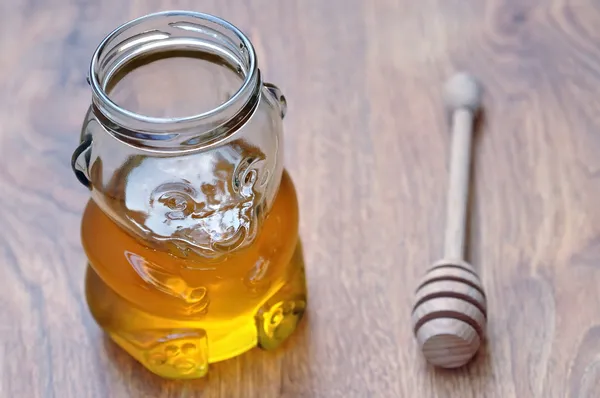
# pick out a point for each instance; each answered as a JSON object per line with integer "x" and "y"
{"x": 367, "y": 147}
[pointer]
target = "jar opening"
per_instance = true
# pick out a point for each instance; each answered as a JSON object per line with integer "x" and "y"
{"x": 174, "y": 84}
{"x": 205, "y": 65}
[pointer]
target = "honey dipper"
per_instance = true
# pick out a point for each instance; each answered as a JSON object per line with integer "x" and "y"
{"x": 449, "y": 314}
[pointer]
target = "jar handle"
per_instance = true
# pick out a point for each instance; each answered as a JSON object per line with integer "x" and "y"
{"x": 80, "y": 161}
{"x": 279, "y": 97}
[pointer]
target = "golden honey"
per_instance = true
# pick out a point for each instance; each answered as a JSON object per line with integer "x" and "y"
{"x": 176, "y": 315}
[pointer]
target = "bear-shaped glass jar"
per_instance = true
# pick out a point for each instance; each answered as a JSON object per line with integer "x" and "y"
{"x": 191, "y": 231}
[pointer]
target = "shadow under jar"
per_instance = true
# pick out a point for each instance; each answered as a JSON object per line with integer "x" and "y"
{"x": 191, "y": 231}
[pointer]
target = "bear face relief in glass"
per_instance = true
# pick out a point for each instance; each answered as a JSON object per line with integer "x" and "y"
{"x": 213, "y": 207}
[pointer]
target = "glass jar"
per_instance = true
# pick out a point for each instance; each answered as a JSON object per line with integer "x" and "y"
{"x": 191, "y": 230}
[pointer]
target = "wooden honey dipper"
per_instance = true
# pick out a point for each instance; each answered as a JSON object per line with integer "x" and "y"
{"x": 449, "y": 314}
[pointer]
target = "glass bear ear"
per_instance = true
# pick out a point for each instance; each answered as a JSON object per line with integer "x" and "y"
{"x": 80, "y": 161}
{"x": 279, "y": 97}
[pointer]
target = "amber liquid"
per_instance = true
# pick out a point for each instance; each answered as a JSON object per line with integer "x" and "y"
{"x": 176, "y": 315}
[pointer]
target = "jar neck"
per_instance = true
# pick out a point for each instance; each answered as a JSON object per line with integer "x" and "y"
{"x": 166, "y": 32}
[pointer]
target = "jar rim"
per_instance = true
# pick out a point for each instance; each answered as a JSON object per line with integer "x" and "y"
{"x": 165, "y": 125}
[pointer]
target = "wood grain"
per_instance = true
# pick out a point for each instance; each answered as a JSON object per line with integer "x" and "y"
{"x": 367, "y": 143}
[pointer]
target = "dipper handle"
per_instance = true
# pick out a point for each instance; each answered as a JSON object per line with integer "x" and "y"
{"x": 458, "y": 187}
{"x": 463, "y": 99}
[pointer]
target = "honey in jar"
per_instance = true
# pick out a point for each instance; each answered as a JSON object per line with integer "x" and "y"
{"x": 191, "y": 230}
